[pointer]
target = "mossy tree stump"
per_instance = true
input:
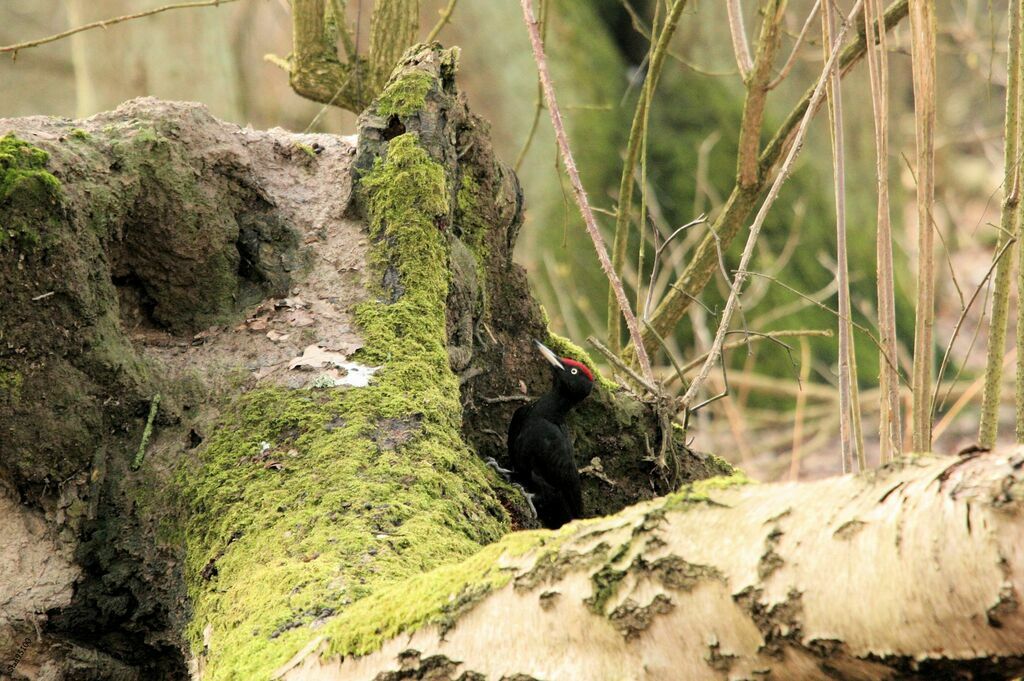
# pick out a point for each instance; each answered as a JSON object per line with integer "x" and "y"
{"x": 326, "y": 325}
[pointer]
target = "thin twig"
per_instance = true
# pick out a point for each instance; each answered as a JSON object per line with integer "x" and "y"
{"x": 878, "y": 72}
{"x": 109, "y": 22}
{"x": 671, "y": 357}
{"x": 968, "y": 395}
{"x": 860, "y": 327}
{"x": 798, "y": 415}
{"x": 580, "y": 193}
{"x": 922, "y": 41}
{"x": 835, "y": 110}
{"x": 788, "y": 66}
{"x": 446, "y": 14}
{"x": 622, "y": 366}
{"x": 620, "y": 239}
{"x": 538, "y": 104}
{"x": 739, "y": 38}
{"x": 963, "y": 315}
{"x": 701, "y": 219}
{"x": 639, "y": 27}
{"x": 147, "y": 432}
{"x": 755, "y": 228}
{"x": 346, "y": 35}
{"x": 648, "y": 93}
{"x": 755, "y": 337}
{"x": 741, "y": 201}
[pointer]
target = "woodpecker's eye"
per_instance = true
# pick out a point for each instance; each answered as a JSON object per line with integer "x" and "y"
{"x": 575, "y": 371}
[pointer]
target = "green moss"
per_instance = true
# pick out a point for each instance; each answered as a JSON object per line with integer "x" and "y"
{"x": 718, "y": 463}
{"x": 472, "y": 225}
{"x": 10, "y": 386}
{"x": 29, "y": 195}
{"x": 310, "y": 501}
{"x": 306, "y": 149}
{"x": 435, "y": 597}
{"x": 79, "y": 134}
{"x": 405, "y": 96}
{"x": 606, "y": 583}
{"x": 702, "y": 491}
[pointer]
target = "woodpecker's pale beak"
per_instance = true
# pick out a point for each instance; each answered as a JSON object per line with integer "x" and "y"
{"x": 550, "y": 356}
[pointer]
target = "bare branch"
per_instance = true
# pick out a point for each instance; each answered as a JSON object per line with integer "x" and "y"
{"x": 741, "y": 200}
{"x": 847, "y": 405}
{"x": 922, "y": 23}
{"x": 446, "y": 15}
{"x": 649, "y": 386}
{"x": 756, "y": 337}
{"x": 755, "y": 229}
{"x": 1008, "y": 230}
{"x": 109, "y": 22}
{"x": 788, "y": 66}
{"x": 621, "y": 237}
{"x": 579, "y": 192}
{"x": 963, "y": 315}
{"x": 747, "y": 166}
{"x": 739, "y": 38}
{"x": 890, "y": 443}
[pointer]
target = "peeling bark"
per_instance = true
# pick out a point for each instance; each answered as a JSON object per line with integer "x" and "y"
{"x": 912, "y": 572}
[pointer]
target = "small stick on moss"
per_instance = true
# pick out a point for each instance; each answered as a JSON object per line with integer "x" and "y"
{"x": 141, "y": 454}
{"x": 622, "y": 366}
{"x": 505, "y": 398}
{"x": 108, "y": 22}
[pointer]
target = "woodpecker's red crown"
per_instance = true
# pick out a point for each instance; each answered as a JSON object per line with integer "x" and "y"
{"x": 580, "y": 365}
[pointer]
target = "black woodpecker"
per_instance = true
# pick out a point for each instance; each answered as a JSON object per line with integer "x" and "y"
{"x": 539, "y": 446}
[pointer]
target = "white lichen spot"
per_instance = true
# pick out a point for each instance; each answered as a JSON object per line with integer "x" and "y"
{"x": 339, "y": 370}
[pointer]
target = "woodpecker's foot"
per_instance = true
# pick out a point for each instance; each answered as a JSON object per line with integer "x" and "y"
{"x": 503, "y": 472}
{"x": 529, "y": 498}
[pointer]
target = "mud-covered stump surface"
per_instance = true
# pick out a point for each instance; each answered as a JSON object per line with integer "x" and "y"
{"x": 148, "y": 251}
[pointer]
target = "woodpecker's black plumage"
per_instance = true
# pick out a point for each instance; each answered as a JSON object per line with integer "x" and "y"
{"x": 539, "y": 445}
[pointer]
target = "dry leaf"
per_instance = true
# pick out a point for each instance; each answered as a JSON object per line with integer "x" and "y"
{"x": 314, "y": 357}
{"x": 301, "y": 318}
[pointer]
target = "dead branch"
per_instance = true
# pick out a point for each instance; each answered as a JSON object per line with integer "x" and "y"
{"x": 580, "y": 193}
{"x": 14, "y": 49}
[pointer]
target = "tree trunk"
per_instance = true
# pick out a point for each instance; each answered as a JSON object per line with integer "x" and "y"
{"x": 321, "y": 371}
{"x": 912, "y": 573}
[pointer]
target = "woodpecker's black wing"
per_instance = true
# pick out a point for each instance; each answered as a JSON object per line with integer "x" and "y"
{"x": 516, "y": 427}
{"x": 542, "y": 458}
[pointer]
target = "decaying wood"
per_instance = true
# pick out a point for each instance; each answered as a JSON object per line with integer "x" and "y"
{"x": 914, "y": 571}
